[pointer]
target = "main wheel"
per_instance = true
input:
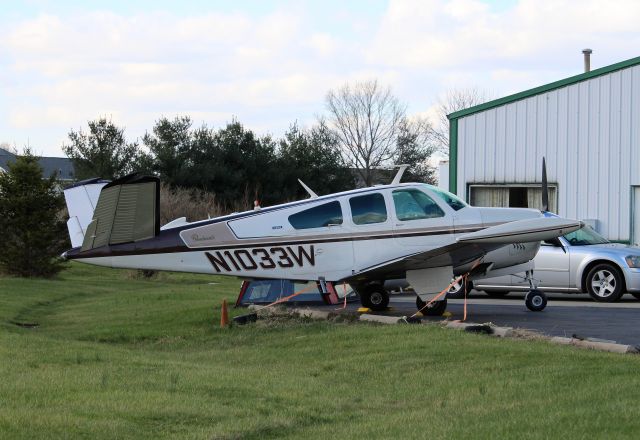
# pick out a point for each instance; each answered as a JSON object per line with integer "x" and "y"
{"x": 535, "y": 300}
{"x": 456, "y": 291}
{"x": 496, "y": 293}
{"x": 604, "y": 283}
{"x": 437, "y": 308}
{"x": 375, "y": 297}
{"x": 636, "y": 295}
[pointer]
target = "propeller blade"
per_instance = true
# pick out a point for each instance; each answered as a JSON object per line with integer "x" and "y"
{"x": 545, "y": 188}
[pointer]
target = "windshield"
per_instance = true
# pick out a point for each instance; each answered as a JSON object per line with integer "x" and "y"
{"x": 450, "y": 199}
{"x": 585, "y": 236}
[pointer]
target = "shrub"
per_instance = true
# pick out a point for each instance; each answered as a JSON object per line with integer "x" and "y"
{"x": 32, "y": 232}
{"x": 193, "y": 204}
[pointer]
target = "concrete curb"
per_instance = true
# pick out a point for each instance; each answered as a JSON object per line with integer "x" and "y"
{"x": 594, "y": 345}
{"x": 313, "y": 314}
{"x": 381, "y": 319}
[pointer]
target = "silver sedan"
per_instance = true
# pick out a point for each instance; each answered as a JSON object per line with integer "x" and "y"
{"x": 582, "y": 261}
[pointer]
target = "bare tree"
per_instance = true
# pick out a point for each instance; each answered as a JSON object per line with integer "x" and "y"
{"x": 366, "y": 119}
{"x": 454, "y": 100}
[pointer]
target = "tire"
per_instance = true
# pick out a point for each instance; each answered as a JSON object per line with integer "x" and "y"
{"x": 436, "y": 309}
{"x": 535, "y": 300}
{"x": 375, "y": 298}
{"x": 456, "y": 290}
{"x": 605, "y": 283}
{"x": 636, "y": 295}
{"x": 496, "y": 293}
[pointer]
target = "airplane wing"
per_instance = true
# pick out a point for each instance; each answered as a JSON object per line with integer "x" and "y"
{"x": 469, "y": 247}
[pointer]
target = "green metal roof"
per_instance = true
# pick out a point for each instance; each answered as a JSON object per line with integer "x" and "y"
{"x": 545, "y": 88}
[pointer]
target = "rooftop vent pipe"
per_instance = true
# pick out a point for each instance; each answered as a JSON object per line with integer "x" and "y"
{"x": 587, "y": 59}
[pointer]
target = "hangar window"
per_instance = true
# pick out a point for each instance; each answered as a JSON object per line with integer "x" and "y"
{"x": 368, "y": 209}
{"x": 317, "y": 217}
{"x": 412, "y": 204}
{"x": 512, "y": 196}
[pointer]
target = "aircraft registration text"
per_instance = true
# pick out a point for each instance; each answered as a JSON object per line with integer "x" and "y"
{"x": 263, "y": 258}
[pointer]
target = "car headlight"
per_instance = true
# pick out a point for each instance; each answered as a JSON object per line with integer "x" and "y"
{"x": 633, "y": 261}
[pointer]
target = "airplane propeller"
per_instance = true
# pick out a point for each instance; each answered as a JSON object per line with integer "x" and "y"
{"x": 545, "y": 188}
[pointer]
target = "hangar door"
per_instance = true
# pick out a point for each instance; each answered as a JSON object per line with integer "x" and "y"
{"x": 635, "y": 217}
{"x": 512, "y": 196}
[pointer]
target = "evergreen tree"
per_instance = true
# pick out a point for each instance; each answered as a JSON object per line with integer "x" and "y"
{"x": 32, "y": 230}
{"x": 314, "y": 157}
{"x": 103, "y": 152}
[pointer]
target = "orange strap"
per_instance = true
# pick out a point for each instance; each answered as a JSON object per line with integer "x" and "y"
{"x": 464, "y": 286}
{"x": 344, "y": 304}
{"x": 446, "y": 289}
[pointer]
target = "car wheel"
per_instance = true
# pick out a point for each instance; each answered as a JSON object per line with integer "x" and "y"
{"x": 456, "y": 291}
{"x": 437, "y": 308}
{"x": 604, "y": 283}
{"x": 636, "y": 295}
{"x": 496, "y": 293}
{"x": 375, "y": 297}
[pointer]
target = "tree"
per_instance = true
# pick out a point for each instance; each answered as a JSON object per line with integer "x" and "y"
{"x": 314, "y": 157}
{"x": 371, "y": 125}
{"x": 33, "y": 232}
{"x": 454, "y": 100}
{"x": 415, "y": 147}
{"x": 242, "y": 167}
{"x": 170, "y": 148}
{"x": 103, "y": 152}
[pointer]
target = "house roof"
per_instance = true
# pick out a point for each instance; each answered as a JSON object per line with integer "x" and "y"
{"x": 61, "y": 165}
{"x": 545, "y": 88}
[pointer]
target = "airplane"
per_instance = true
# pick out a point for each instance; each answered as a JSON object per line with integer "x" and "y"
{"x": 362, "y": 237}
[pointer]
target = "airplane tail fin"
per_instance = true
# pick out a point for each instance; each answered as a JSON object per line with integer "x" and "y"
{"x": 81, "y": 199}
{"x": 122, "y": 211}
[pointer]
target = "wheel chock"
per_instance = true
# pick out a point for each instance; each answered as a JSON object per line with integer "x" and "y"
{"x": 364, "y": 310}
{"x": 447, "y": 314}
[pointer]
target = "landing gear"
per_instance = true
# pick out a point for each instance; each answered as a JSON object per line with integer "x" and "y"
{"x": 457, "y": 290}
{"x": 374, "y": 297}
{"x": 535, "y": 300}
{"x": 437, "y": 308}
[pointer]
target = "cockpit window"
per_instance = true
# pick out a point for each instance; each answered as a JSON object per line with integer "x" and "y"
{"x": 585, "y": 236}
{"x": 317, "y": 217}
{"x": 450, "y": 199}
{"x": 413, "y": 204}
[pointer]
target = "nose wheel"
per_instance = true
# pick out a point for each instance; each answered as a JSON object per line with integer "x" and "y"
{"x": 535, "y": 300}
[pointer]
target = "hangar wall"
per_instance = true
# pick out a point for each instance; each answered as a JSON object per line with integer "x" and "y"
{"x": 589, "y": 132}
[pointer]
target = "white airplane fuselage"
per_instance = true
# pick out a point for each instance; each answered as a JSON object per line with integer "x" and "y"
{"x": 283, "y": 242}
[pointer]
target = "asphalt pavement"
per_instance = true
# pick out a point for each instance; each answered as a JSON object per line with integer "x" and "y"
{"x": 565, "y": 315}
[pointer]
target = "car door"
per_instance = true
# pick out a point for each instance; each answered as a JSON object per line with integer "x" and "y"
{"x": 551, "y": 267}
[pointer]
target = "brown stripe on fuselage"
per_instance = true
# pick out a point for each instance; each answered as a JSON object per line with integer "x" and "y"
{"x": 167, "y": 243}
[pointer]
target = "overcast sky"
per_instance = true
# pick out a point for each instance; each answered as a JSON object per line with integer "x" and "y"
{"x": 270, "y": 63}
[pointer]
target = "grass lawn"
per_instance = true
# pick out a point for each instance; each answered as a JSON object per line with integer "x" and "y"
{"x": 116, "y": 357}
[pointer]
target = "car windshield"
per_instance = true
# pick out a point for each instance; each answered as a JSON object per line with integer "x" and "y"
{"x": 585, "y": 236}
{"x": 450, "y": 199}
